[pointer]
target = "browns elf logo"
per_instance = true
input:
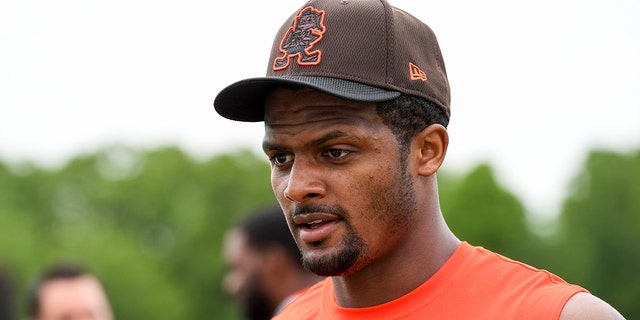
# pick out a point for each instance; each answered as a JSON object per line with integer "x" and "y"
{"x": 307, "y": 30}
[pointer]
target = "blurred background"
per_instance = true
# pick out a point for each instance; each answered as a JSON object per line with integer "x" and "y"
{"x": 111, "y": 154}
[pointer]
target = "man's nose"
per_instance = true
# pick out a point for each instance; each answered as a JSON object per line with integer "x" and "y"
{"x": 305, "y": 182}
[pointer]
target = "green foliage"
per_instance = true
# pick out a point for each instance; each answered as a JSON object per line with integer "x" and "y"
{"x": 150, "y": 224}
{"x": 600, "y": 227}
{"x": 483, "y": 213}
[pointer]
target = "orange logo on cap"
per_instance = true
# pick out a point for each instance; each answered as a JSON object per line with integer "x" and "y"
{"x": 307, "y": 30}
{"x": 416, "y": 73}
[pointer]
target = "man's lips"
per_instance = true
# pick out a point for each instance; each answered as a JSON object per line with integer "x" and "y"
{"x": 315, "y": 227}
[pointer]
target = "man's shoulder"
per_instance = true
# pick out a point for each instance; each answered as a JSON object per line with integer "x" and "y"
{"x": 584, "y": 306}
{"x": 506, "y": 270}
{"x": 502, "y": 284}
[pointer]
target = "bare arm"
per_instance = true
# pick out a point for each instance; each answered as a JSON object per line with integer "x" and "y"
{"x": 584, "y": 306}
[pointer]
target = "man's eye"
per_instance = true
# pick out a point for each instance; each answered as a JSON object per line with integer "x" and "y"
{"x": 280, "y": 158}
{"x": 337, "y": 153}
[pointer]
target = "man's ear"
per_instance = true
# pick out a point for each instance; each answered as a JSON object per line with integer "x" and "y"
{"x": 432, "y": 144}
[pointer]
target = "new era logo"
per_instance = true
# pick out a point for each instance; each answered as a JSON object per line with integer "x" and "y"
{"x": 416, "y": 73}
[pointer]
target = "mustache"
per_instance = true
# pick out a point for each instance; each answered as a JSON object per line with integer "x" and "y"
{"x": 318, "y": 208}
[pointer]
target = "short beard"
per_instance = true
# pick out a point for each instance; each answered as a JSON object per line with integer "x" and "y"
{"x": 339, "y": 262}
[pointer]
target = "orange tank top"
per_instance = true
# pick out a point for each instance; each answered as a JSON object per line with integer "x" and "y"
{"x": 474, "y": 283}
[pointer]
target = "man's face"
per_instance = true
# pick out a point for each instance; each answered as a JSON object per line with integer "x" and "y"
{"x": 80, "y": 298}
{"x": 244, "y": 279}
{"x": 338, "y": 175}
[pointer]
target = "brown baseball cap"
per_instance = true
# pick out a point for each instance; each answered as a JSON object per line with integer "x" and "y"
{"x": 363, "y": 50}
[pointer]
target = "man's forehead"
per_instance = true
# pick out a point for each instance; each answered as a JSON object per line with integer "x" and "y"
{"x": 286, "y": 105}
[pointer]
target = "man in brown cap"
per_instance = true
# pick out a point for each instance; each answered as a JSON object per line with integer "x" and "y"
{"x": 355, "y": 105}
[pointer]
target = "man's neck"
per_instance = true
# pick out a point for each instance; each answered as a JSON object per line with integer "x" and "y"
{"x": 397, "y": 275}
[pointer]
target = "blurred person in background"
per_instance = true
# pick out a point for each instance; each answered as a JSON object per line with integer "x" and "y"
{"x": 68, "y": 292}
{"x": 7, "y": 299}
{"x": 264, "y": 267}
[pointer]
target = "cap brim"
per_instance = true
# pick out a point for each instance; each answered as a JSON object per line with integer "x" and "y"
{"x": 244, "y": 100}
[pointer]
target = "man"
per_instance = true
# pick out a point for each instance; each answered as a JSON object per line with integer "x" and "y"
{"x": 355, "y": 140}
{"x": 68, "y": 292}
{"x": 265, "y": 272}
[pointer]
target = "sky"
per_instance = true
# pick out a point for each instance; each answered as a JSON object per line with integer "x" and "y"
{"x": 535, "y": 85}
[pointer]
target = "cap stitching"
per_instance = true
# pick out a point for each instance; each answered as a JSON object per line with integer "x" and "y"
{"x": 389, "y": 40}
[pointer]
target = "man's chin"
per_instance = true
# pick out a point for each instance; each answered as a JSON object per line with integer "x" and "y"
{"x": 330, "y": 265}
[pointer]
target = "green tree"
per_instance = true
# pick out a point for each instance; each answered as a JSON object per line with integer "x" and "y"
{"x": 149, "y": 223}
{"x": 600, "y": 230}
{"x": 483, "y": 213}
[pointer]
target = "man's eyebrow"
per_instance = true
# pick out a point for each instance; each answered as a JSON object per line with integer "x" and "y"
{"x": 267, "y": 146}
{"x": 327, "y": 137}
